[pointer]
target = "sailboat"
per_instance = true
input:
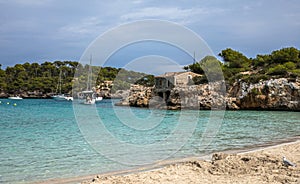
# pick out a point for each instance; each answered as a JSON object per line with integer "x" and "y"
{"x": 88, "y": 96}
{"x": 59, "y": 96}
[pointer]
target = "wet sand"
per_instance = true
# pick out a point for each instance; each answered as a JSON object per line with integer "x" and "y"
{"x": 263, "y": 165}
{"x": 259, "y": 164}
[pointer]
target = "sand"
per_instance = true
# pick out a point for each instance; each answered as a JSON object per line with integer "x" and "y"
{"x": 260, "y": 166}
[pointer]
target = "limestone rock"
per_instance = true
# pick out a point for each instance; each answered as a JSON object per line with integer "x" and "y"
{"x": 273, "y": 94}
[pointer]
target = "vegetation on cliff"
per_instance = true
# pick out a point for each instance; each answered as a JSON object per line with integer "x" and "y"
{"x": 43, "y": 78}
{"x": 123, "y": 78}
{"x": 280, "y": 63}
{"x": 37, "y": 77}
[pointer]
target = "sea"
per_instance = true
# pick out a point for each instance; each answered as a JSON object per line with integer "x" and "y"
{"x": 44, "y": 139}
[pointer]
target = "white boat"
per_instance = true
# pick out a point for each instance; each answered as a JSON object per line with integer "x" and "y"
{"x": 69, "y": 98}
{"x": 15, "y": 98}
{"x": 59, "y": 96}
{"x": 88, "y": 96}
{"x": 99, "y": 98}
{"x": 62, "y": 97}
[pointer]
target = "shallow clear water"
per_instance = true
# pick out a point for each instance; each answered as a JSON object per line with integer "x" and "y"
{"x": 40, "y": 139}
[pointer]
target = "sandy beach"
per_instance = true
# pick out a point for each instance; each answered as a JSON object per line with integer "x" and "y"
{"x": 259, "y": 166}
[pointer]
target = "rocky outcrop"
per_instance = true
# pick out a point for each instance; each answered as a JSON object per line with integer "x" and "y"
{"x": 139, "y": 96}
{"x": 27, "y": 94}
{"x": 274, "y": 94}
{"x": 119, "y": 94}
{"x": 208, "y": 96}
{"x": 3, "y": 95}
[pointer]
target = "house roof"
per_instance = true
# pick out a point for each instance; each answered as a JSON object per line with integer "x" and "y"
{"x": 172, "y": 74}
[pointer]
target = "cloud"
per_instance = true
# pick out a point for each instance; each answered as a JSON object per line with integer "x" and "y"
{"x": 26, "y": 26}
{"x": 137, "y": 1}
{"x": 57, "y": 26}
{"x": 154, "y": 12}
{"x": 85, "y": 26}
{"x": 180, "y": 15}
{"x": 147, "y": 37}
{"x": 153, "y": 64}
{"x": 81, "y": 33}
{"x": 27, "y": 2}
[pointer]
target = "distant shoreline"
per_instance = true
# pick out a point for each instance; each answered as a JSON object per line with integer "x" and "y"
{"x": 249, "y": 109}
{"x": 29, "y": 98}
{"x": 162, "y": 164}
{"x": 46, "y": 98}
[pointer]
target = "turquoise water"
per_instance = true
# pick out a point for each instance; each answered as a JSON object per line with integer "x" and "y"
{"x": 40, "y": 139}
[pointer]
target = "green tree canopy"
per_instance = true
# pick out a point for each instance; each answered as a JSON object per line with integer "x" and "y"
{"x": 235, "y": 59}
{"x": 284, "y": 62}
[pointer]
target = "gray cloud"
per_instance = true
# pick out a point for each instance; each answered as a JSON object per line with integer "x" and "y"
{"x": 34, "y": 30}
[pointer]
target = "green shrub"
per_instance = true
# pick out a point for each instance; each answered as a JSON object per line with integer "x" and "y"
{"x": 277, "y": 70}
{"x": 295, "y": 73}
{"x": 255, "y": 91}
{"x": 200, "y": 80}
{"x": 290, "y": 65}
{"x": 254, "y": 78}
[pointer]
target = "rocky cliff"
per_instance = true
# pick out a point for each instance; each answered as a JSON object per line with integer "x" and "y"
{"x": 274, "y": 94}
{"x": 27, "y": 94}
{"x": 189, "y": 97}
{"x": 139, "y": 96}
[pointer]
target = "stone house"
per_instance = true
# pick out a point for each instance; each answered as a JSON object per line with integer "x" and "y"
{"x": 166, "y": 82}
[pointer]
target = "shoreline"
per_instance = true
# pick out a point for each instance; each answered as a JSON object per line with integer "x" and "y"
{"x": 165, "y": 163}
{"x": 180, "y": 109}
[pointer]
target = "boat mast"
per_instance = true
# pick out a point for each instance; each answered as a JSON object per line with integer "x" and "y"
{"x": 58, "y": 87}
{"x": 59, "y": 83}
{"x": 194, "y": 57}
{"x": 88, "y": 86}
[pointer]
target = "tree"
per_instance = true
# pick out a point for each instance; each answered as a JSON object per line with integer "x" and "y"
{"x": 195, "y": 67}
{"x": 2, "y": 80}
{"x": 212, "y": 68}
{"x": 284, "y": 55}
{"x": 48, "y": 69}
{"x": 58, "y": 64}
{"x": 147, "y": 80}
{"x": 209, "y": 67}
{"x": 278, "y": 70}
{"x": 235, "y": 59}
{"x": 35, "y": 70}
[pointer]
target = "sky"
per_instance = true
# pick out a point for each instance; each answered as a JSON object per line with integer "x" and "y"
{"x": 50, "y": 30}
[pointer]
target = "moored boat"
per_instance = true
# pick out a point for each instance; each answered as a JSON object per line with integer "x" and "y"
{"x": 88, "y": 96}
{"x": 62, "y": 97}
{"x": 99, "y": 98}
{"x": 59, "y": 96}
{"x": 15, "y": 98}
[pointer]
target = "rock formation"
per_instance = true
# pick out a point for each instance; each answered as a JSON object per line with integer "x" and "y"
{"x": 273, "y": 94}
{"x": 138, "y": 96}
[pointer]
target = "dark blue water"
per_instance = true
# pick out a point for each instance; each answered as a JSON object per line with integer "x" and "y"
{"x": 40, "y": 139}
